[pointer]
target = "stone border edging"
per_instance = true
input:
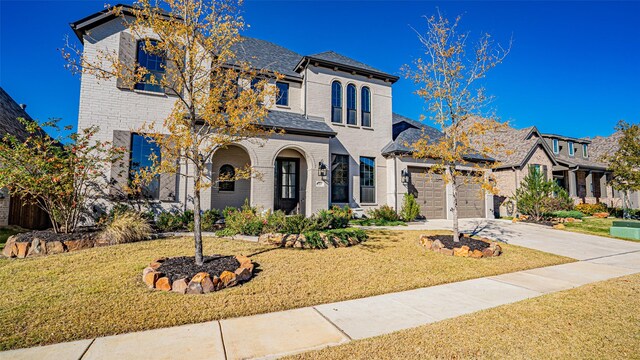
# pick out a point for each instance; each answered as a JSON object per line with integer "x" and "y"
{"x": 494, "y": 248}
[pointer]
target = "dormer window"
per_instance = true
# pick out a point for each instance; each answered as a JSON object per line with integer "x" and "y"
{"x": 556, "y": 147}
{"x": 336, "y": 102}
{"x": 585, "y": 151}
{"x": 572, "y": 150}
{"x": 365, "y": 106}
{"x": 351, "y": 105}
{"x": 155, "y": 65}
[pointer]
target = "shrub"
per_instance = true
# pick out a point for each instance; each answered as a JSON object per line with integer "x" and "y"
{"x": 410, "y": 208}
{"x": 128, "y": 226}
{"x": 537, "y": 196}
{"x": 245, "y": 220}
{"x": 334, "y": 218}
{"x": 169, "y": 221}
{"x": 314, "y": 239}
{"x": 378, "y": 222}
{"x": 207, "y": 220}
{"x": 298, "y": 224}
{"x": 567, "y": 214}
{"x": 384, "y": 212}
{"x": 275, "y": 221}
{"x": 343, "y": 235}
{"x": 590, "y": 209}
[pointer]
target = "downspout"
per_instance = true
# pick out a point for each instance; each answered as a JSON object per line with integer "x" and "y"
{"x": 306, "y": 116}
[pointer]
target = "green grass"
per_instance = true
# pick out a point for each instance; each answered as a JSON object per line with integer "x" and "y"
{"x": 6, "y": 232}
{"x": 377, "y": 222}
{"x": 98, "y": 292}
{"x": 593, "y": 226}
{"x": 596, "y": 321}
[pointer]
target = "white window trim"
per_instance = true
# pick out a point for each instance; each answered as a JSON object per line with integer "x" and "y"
{"x": 585, "y": 151}
{"x": 571, "y": 148}
{"x": 556, "y": 146}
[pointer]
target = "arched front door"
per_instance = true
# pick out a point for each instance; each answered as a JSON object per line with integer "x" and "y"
{"x": 287, "y": 185}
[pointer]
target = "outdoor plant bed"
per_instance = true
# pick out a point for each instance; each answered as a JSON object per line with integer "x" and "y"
{"x": 466, "y": 247}
{"x": 315, "y": 239}
{"x": 46, "y": 242}
{"x": 183, "y": 276}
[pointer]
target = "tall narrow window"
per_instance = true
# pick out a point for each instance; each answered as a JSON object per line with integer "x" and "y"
{"x": 585, "y": 151}
{"x": 227, "y": 172}
{"x": 155, "y": 65}
{"x": 365, "y": 99}
{"x": 143, "y": 152}
{"x": 367, "y": 180}
{"x": 571, "y": 149}
{"x": 339, "y": 178}
{"x": 351, "y": 105}
{"x": 336, "y": 102}
{"x": 283, "y": 93}
{"x": 556, "y": 148}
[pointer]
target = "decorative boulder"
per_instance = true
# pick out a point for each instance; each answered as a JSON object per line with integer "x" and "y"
{"x": 163, "y": 284}
{"x": 8, "y": 247}
{"x": 228, "y": 278}
{"x": 150, "y": 278}
{"x": 21, "y": 249}
{"x": 242, "y": 274}
{"x": 437, "y": 245}
{"x": 180, "y": 286}
{"x": 497, "y": 249}
{"x": 461, "y": 251}
{"x": 55, "y": 247}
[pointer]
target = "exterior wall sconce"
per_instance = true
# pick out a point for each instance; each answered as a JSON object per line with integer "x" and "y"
{"x": 322, "y": 169}
{"x": 404, "y": 176}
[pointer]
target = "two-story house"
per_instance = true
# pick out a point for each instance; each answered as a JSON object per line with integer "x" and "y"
{"x": 342, "y": 144}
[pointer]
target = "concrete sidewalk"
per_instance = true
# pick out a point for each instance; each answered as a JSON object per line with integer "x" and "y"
{"x": 277, "y": 334}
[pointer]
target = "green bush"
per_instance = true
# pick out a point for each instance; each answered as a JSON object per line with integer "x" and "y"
{"x": 410, "y": 208}
{"x": 384, "y": 212}
{"x": 566, "y": 214}
{"x": 245, "y": 220}
{"x": 334, "y": 218}
{"x": 207, "y": 220}
{"x": 343, "y": 235}
{"x": 590, "y": 209}
{"x": 170, "y": 221}
{"x": 314, "y": 239}
{"x": 378, "y": 222}
{"x": 537, "y": 196}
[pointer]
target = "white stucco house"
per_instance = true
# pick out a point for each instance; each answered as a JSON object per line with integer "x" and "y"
{"x": 336, "y": 114}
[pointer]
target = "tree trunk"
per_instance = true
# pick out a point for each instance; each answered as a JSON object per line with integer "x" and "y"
{"x": 197, "y": 229}
{"x": 454, "y": 195}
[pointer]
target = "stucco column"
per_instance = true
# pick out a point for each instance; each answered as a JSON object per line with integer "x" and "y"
{"x": 572, "y": 183}
{"x": 588, "y": 180}
{"x": 603, "y": 186}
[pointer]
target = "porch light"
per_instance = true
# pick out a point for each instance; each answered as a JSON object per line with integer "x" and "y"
{"x": 404, "y": 176}
{"x": 322, "y": 169}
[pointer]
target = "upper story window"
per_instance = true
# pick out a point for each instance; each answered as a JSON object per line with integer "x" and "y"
{"x": 365, "y": 107}
{"x": 227, "y": 172}
{"x": 351, "y": 105}
{"x": 585, "y": 151}
{"x": 143, "y": 152}
{"x": 155, "y": 65}
{"x": 556, "y": 147}
{"x": 283, "y": 93}
{"x": 572, "y": 150}
{"x": 336, "y": 102}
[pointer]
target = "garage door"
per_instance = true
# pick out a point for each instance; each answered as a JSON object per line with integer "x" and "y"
{"x": 470, "y": 200}
{"x": 430, "y": 193}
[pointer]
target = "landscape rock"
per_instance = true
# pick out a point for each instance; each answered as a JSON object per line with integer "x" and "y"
{"x": 445, "y": 251}
{"x": 180, "y": 286}
{"x": 54, "y": 247}
{"x": 290, "y": 240}
{"x": 559, "y": 226}
{"x": 487, "y": 252}
{"x": 217, "y": 283}
{"x": 601, "y": 215}
{"x": 199, "y": 277}
{"x": 476, "y": 254}
{"x": 155, "y": 265}
{"x": 194, "y": 288}
{"x": 461, "y": 251}
{"x": 147, "y": 270}
{"x": 8, "y": 247}
{"x": 242, "y": 274}
{"x": 163, "y": 284}
{"x": 426, "y": 241}
{"x": 207, "y": 284}
{"x": 150, "y": 278}
{"x": 271, "y": 239}
{"x": 228, "y": 278}
{"x": 436, "y": 245}
{"x": 79, "y": 244}
{"x": 37, "y": 247}
{"x": 21, "y": 249}
{"x": 497, "y": 249}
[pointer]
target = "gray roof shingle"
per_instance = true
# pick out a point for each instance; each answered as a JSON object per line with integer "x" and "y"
{"x": 10, "y": 111}
{"x": 261, "y": 54}
{"x": 332, "y": 56}
{"x": 297, "y": 124}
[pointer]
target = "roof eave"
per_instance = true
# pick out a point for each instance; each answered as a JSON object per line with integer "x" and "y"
{"x": 348, "y": 68}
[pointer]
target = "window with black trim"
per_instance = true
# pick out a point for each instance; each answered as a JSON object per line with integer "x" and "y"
{"x": 143, "y": 153}
{"x": 351, "y": 105}
{"x": 367, "y": 180}
{"x": 155, "y": 65}
{"x": 339, "y": 178}
{"x": 227, "y": 172}
{"x": 365, "y": 107}
{"x": 336, "y": 102}
{"x": 283, "y": 93}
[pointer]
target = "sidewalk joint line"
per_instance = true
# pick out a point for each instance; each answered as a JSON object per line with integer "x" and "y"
{"x": 612, "y": 255}
{"x": 332, "y": 323}
{"x": 87, "y": 349}
{"x": 224, "y": 348}
{"x": 516, "y": 285}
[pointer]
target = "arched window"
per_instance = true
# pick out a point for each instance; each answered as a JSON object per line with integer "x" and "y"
{"x": 227, "y": 171}
{"x": 365, "y": 107}
{"x": 351, "y": 105}
{"x": 336, "y": 102}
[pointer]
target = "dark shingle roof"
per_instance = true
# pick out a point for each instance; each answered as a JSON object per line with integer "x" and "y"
{"x": 10, "y": 111}
{"x": 333, "y": 56}
{"x": 293, "y": 123}
{"x": 261, "y": 54}
{"x": 602, "y": 146}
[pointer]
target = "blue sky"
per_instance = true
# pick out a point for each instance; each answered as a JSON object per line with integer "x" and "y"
{"x": 573, "y": 69}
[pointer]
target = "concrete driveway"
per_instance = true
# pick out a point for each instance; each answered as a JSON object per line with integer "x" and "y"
{"x": 574, "y": 245}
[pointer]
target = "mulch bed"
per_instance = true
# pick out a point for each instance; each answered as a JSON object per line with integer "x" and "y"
{"x": 473, "y": 244}
{"x": 185, "y": 266}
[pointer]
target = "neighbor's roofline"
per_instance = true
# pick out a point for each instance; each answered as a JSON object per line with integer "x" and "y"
{"x": 348, "y": 68}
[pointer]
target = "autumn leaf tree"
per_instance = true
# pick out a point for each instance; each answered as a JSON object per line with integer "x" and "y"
{"x": 625, "y": 162}
{"x": 449, "y": 77}
{"x": 220, "y": 99}
{"x": 61, "y": 175}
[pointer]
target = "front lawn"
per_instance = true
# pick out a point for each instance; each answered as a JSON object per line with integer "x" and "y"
{"x": 7, "y": 232}
{"x": 593, "y": 226}
{"x": 99, "y": 291}
{"x": 596, "y": 321}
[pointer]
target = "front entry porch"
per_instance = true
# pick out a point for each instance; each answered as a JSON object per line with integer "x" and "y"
{"x": 586, "y": 186}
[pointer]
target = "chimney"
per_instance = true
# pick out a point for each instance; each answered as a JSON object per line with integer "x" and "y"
{"x": 23, "y": 106}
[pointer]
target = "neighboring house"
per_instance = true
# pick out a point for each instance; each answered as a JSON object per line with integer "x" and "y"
{"x": 568, "y": 161}
{"x": 336, "y": 113}
{"x": 13, "y": 211}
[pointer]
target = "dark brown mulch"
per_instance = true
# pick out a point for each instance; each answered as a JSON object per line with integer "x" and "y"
{"x": 185, "y": 266}
{"x": 541, "y": 222}
{"x": 473, "y": 244}
{"x": 49, "y": 235}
